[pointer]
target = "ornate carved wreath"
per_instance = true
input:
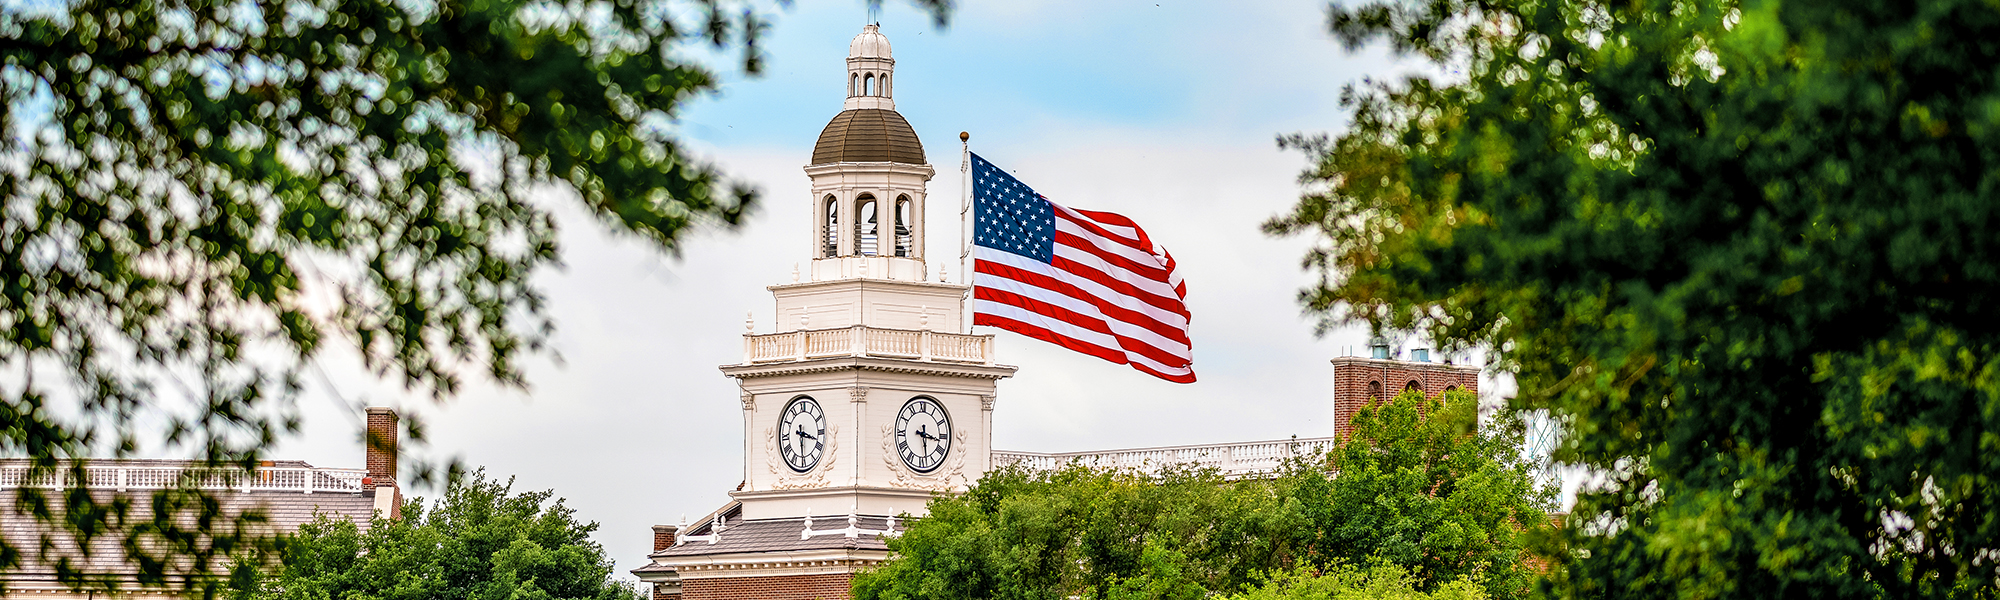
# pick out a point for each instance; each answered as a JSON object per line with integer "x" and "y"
{"x": 791, "y": 480}
{"x": 945, "y": 479}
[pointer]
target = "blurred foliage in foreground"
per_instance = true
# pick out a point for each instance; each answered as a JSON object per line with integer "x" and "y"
{"x": 1433, "y": 505}
{"x": 1744, "y": 252}
{"x": 197, "y": 196}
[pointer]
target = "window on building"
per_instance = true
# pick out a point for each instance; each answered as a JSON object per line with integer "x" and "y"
{"x": 1374, "y": 392}
{"x": 903, "y": 226}
{"x": 864, "y": 226}
{"x": 1418, "y": 387}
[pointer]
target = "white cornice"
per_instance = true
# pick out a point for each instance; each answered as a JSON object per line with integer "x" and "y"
{"x": 773, "y": 563}
{"x": 925, "y": 171}
{"x": 870, "y": 283}
{"x": 852, "y": 363}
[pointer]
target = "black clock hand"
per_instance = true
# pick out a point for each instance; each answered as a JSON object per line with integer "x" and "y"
{"x": 802, "y": 442}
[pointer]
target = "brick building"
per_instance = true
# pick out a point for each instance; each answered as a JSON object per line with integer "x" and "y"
{"x": 290, "y": 493}
{"x": 1360, "y": 382}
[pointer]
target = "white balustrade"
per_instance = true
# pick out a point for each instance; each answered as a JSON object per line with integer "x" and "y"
{"x": 867, "y": 341}
{"x": 133, "y": 477}
{"x": 1235, "y": 461}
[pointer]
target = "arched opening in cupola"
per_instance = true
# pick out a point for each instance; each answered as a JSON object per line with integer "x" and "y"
{"x": 865, "y": 232}
{"x": 830, "y": 228}
{"x": 853, "y": 84}
{"x": 868, "y": 84}
{"x": 903, "y": 240}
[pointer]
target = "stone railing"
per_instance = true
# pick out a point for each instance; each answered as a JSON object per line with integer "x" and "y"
{"x": 867, "y": 341}
{"x": 1236, "y": 461}
{"x": 142, "y": 477}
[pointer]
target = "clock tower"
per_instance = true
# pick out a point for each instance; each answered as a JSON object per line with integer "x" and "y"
{"x": 866, "y": 396}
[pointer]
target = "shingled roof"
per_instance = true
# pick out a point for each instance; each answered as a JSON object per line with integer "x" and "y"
{"x": 285, "y": 509}
{"x": 869, "y": 135}
{"x": 779, "y": 535}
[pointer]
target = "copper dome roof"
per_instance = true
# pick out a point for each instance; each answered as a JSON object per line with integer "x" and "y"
{"x": 868, "y": 135}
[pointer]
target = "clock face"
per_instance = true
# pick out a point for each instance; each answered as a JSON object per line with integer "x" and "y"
{"x": 923, "y": 434}
{"x": 802, "y": 434}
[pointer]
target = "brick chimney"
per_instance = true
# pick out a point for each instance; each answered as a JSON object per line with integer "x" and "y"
{"x": 663, "y": 536}
{"x": 380, "y": 441}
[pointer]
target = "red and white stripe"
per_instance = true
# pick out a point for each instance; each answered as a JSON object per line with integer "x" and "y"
{"x": 1109, "y": 292}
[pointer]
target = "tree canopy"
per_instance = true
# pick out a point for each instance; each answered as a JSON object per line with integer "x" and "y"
{"x": 1437, "y": 503}
{"x": 1421, "y": 485}
{"x": 1380, "y": 580}
{"x": 198, "y": 196}
{"x": 480, "y": 541}
{"x": 1742, "y": 252}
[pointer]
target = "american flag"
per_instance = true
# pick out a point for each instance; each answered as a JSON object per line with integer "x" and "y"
{"x": 1087, "y": 281}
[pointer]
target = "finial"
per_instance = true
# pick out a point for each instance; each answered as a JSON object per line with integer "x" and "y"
{"x": 943, "y": 276}
{"x": 804, "y": 320}
{"x": 924, "y": 318}
{"x": 964, "y": 136}
{"x": 795, "y": 272}
{"x": 864, "y": 268}
{"x": 749, "y": 321}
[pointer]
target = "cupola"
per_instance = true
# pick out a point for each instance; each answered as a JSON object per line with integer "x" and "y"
{"x": 868, "y": 175}
{"x": 870, "y": 71}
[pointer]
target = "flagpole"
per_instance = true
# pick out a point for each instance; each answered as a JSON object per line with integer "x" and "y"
{"x": 964, "y": 225}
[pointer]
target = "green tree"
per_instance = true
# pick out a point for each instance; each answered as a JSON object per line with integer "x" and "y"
{"x": 197, "y": 196}
{"x": 1743, "y": 252}
{"x": 480, "y": 541}
{"x": 1076, "y": 531}
{"x": 1420, "y": 485}
{"x": 1381, "y": 580}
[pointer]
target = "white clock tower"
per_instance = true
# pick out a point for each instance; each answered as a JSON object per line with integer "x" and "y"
{"x": 866, "y": 345}
{"x": 866, "y": 397}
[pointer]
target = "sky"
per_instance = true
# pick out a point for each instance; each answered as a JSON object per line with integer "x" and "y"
{"x": 1166, "y": 112}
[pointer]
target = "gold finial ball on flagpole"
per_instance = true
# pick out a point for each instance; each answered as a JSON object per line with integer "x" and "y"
{"x": 964, "y": 137}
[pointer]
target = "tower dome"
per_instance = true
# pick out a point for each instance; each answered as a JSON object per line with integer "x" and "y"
{"x": 868, "y": 135}
{"x": 870, "y": 44}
